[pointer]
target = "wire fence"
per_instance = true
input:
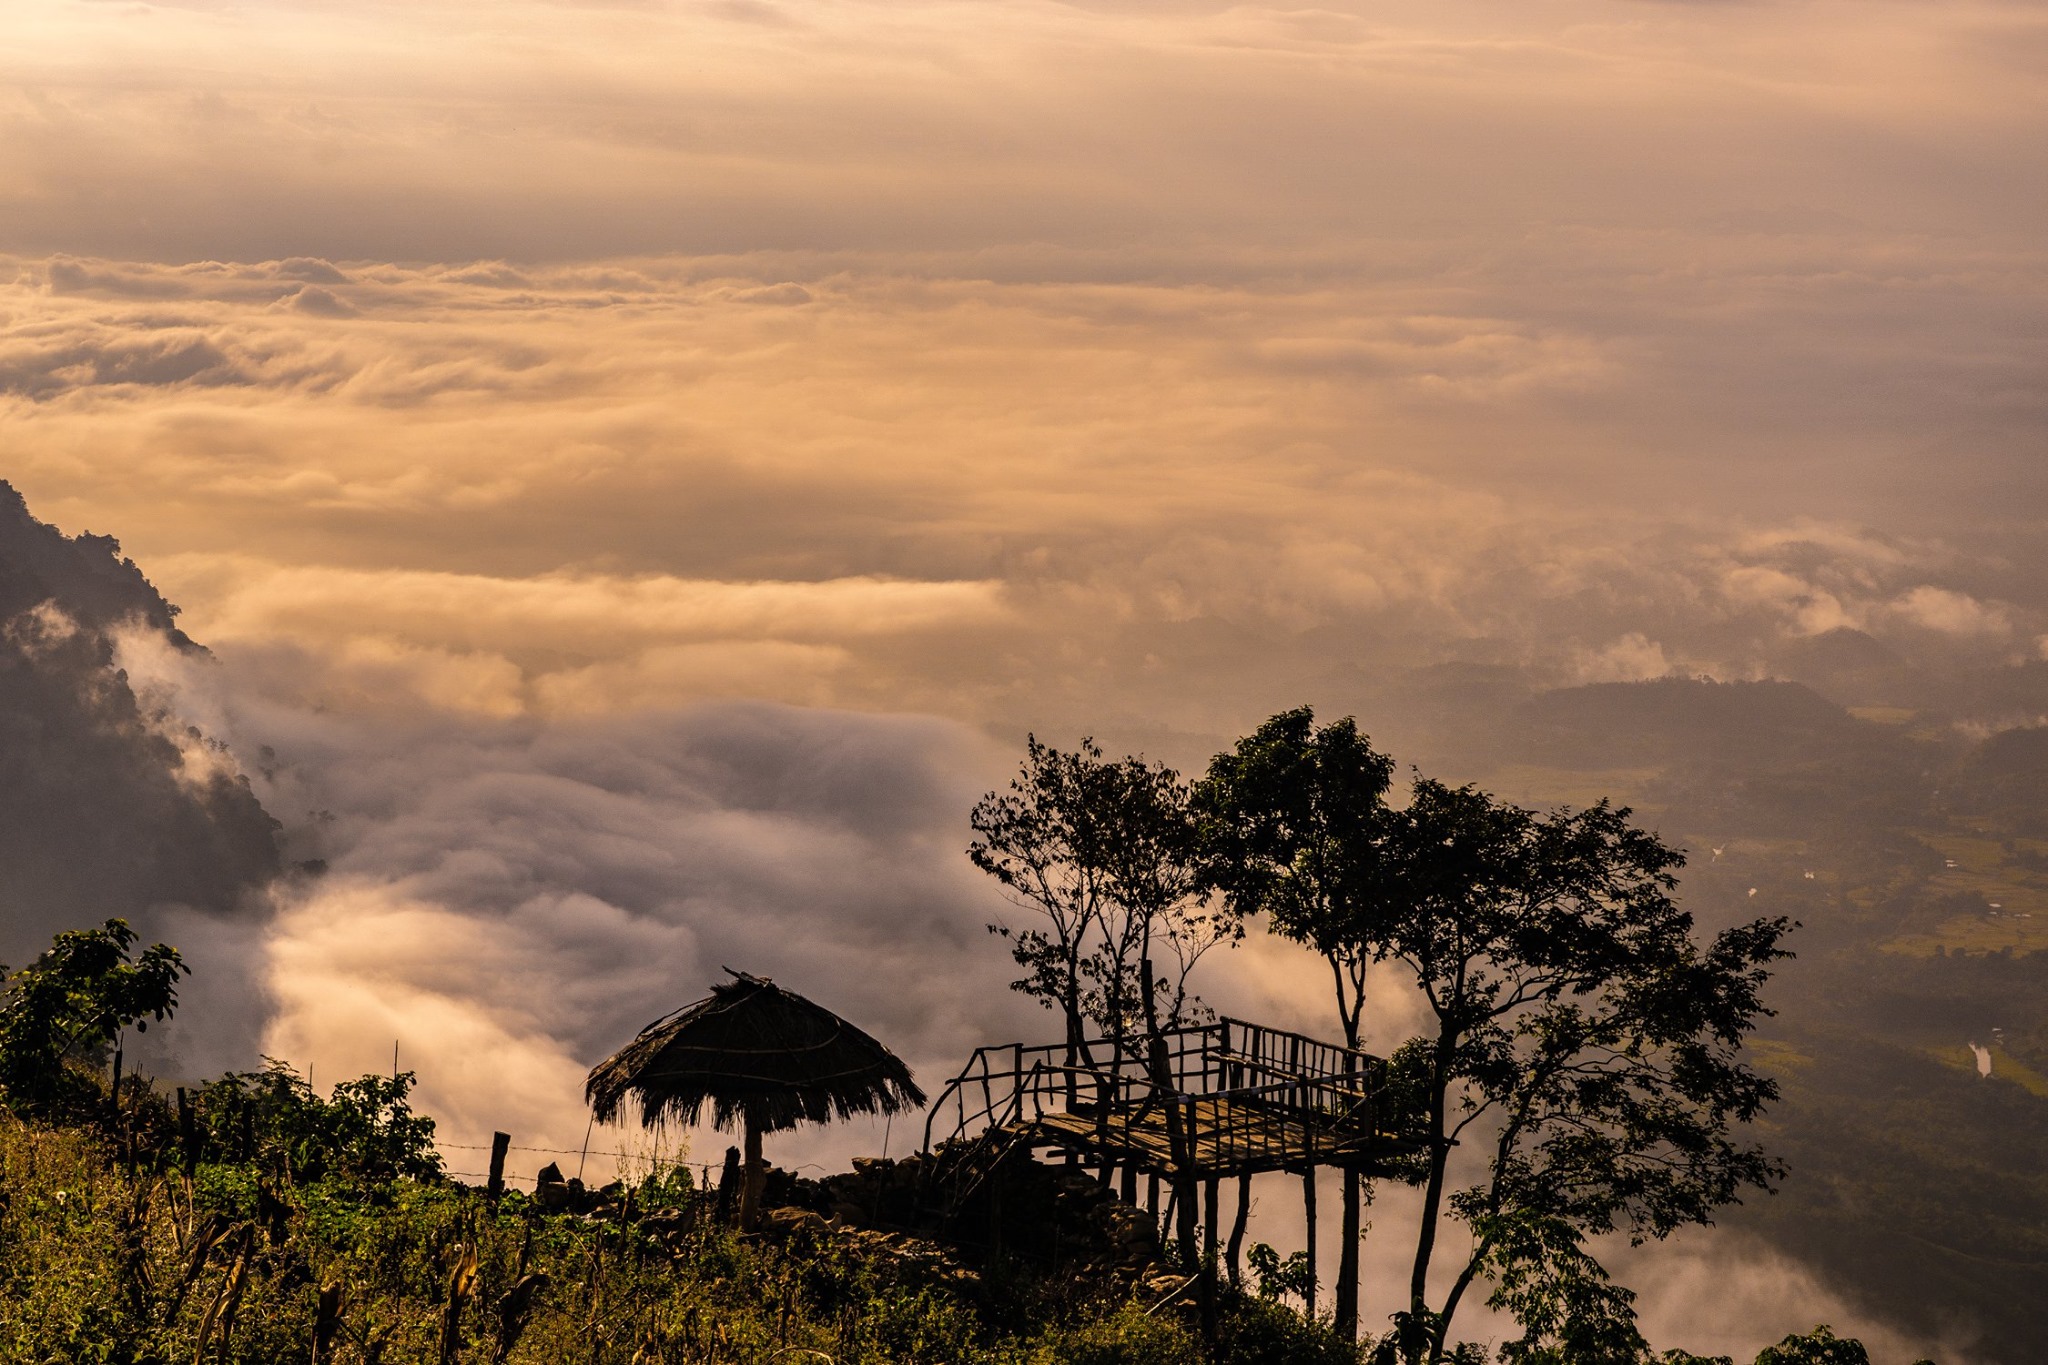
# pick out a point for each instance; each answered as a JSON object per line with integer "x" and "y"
{"x": 654, "y": 1158}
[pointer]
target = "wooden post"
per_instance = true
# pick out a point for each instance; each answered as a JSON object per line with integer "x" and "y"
{"x": 729, "y": 1180}
{"x": 1308, "y": 1204}
{"x": 1234, "y": 1257}
{"x": 188, "y": 1134}
{"x": 755, "y": 1177}
{"x": 1209, "y": 1219}
{"x": 1209, "y": 1323}
{"x": 500, "y": 1144}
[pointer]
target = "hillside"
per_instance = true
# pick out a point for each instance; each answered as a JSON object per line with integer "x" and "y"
{"x": 1912, "y": 855}
{"x": 100, "y": 811}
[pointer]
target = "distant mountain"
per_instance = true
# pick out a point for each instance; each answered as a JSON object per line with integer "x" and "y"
{"x": 1913, "y": 850}
{"x": 100, "y": 814}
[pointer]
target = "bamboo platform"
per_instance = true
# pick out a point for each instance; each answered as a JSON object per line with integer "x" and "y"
{"x": 1247, "y": 1100}
{"x": 1226, "y": 1140}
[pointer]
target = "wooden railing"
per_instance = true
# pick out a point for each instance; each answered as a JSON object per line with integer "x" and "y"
{"x": 1260, "y": 1092}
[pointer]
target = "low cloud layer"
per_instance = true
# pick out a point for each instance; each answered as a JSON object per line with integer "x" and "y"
{"x": 591, "y": 489}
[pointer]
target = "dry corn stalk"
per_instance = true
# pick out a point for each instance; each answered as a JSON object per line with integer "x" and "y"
{"x": 461, "y": 1284}
{"x": 326, "y": 1322}
{"x": 222, "y": 1309}
{"x": 513, "y": 1311}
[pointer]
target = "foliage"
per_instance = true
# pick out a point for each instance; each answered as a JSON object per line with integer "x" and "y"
{"x": 1277, "y": 1277}
{"x": 365, "y": 1132}
{"x": 1262, "y": 1332}
{"x": 1296, "y": 828}
{"x": 1045, "y": 841}
{"x": 1584, "y": 1043}
{"x": 1127, "y": 1337}
{"x": 1818, "y": 1347}
{"x": 1110, "y": 854}
{"x": 69, "y": 1004}
{"x": 1570, "y": 1311}
{"x": 1296, "y": 825}
{"x": 104, "y": 1264}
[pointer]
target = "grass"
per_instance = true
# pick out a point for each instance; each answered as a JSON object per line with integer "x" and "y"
{"x": 239, "y": 1265}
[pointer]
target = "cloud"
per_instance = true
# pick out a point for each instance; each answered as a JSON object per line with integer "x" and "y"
{"x": 1632, "y": 658}
{"x": 1952, "y": 613}
{"x": 511, "y": 900}
{"x": 314, "y": 301}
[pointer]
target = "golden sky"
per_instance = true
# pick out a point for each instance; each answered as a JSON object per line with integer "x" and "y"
{"x": 488, "y": 380}
{"x": 574, "y": 356}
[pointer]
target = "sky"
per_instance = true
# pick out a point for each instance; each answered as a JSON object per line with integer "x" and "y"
{"x": 642, "y": 468}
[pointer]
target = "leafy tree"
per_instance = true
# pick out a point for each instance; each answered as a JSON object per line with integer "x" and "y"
{"x": 1586, "y": 1050}
{"x": 1571, "y": 1312}
{"x": 1277, "y": 1277}
{"x": 1045, "y": 841}
{"x": 365, "y": 1132}
{"x": 1297, "y": 826}
{"x": 1110, "y": 853}
{"x": 1818, "y": 1347}
{"x": 65, "y": 1008}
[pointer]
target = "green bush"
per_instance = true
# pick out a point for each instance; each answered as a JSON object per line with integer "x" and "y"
{"x": 1126, "y": 1337}
{"x": 1818, "y": 1347}
{"x": 365, "y": 1132}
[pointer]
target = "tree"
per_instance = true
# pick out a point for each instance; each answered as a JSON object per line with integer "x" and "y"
{"x": 1297, "y": 827}
{"x": 1159, "y": 922}
{"x": 365, "y": 1133}
{"x": 67, "y": 1006}
{"x": 1818, "y": 1347}
{"x": 1110, "y": 853}
{"x": 1046, "y": 843}
{"x": 1587, "y": 1053}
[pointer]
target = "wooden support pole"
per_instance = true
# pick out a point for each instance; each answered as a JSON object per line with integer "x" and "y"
{"x": 1308, "y": 1204}
{"x": 500, "y": 1144}
{"x": 1209, "y": 1219}
{"x": 1345, "y": 1314}
{"x": 1234, "y": 1257}
{"x": 729, "y": 1181}
{"x": 1209, "y": 1315}
{"x": 188, "y": 1134}
{"x": 753, "y": 1179}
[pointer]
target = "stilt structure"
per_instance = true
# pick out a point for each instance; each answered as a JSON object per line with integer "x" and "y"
{"x": 1244, "y": 1100}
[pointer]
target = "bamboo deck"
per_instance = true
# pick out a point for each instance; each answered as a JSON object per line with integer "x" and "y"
{"x": 1229, "y": 1139}
{"x": 1254, "y": 1099}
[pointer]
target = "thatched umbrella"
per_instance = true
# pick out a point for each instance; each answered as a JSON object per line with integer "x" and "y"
{"x": 756, "y": 1053}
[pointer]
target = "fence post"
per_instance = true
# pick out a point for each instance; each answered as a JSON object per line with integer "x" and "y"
{"x": 500, "y": 1143}
{"x": 188, "y": 1134}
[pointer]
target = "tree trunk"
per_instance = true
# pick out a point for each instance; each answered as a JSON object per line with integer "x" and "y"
{"x": 1346, "y": 1313}
{"x": 1346, "y": 1321}
{"x": 754, "y": 1178}
{"x": 1308, "y": 1207}
{"x": 1417, "y": 1341}
{"x": 1234, "y": 1256}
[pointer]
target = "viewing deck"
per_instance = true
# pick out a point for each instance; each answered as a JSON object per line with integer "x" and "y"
{"x": 1245, "y": 1098}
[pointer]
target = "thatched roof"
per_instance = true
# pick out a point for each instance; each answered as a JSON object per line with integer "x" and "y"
{"x": 753, "y": 1051}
